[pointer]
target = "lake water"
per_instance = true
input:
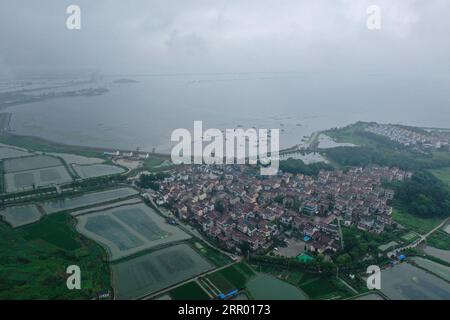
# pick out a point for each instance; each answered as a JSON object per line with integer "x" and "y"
{"x": 144, "y": 114}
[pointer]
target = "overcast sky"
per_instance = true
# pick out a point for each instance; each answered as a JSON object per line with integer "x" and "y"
{"x": 171, "y": 36}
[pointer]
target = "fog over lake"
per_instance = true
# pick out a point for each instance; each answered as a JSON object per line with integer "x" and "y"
{"x": 299, "y": 66}
{"x": 144, "y": 114}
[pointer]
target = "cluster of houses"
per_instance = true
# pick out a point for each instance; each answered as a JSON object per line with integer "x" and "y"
{"x": 237, "y": 207}
{"x": 408, "y": 137}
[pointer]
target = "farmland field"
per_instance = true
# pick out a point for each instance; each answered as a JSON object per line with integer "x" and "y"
{"x": 128, "y": 229}
{"x": 6, "y": 153}
{"x": 434, "y": 267}
{"x": 418, "y": 224}
{"x": 156, "y": 270}
{"x": 266, "y": 287}
{"x": 88, "y": 199}
{"x": 96, "y": 170}
{"x": 16, "y": 181}
{"x": 410, "y": 237}
{"x": 439, "y": 239}
{"x": 189, "y": 291}
{"x": 404, "y": 281}
{"x": 73, "y": 158}
{"x": 34, "y": 258}
{"x": 325, "y": 288}
{"x": 34, "y": 171}
{"x": 20, "y": 215}
{"x": 443, "y": 255}
{"x": 233, "y": 277}
{"x": 30, "y": 163}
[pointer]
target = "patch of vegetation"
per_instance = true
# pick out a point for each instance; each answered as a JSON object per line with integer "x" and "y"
{"x": 215, "y": 256}
{"x": 326, "y": 288}
{"x": 439, "y": 239}
{"x": 156, "y": 163}
{"x": 361, "y": 248}
{"x": 232, "y": 277}
{"x": 33, "y": 263}
{"x": 150, "y": 181}
{"x": 54, "y": 230}
{"x": 423, "y": 195}
{"x": 189, "y": 291}
{"x": 442, "y": 174}
{"x": 419, "y": 224}
{"x": 298, "y": 166}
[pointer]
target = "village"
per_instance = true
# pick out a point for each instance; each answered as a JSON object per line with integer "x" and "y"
{"x": 239, "y": 209}
{"x": 412, "y": 138}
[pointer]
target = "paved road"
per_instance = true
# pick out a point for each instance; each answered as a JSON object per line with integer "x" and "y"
{"x": 418, "y": 241}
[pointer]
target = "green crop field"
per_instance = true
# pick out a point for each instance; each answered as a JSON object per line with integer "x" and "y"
{"x": 33, "y": 261}
{"x": 439, "y": 239}
{"x": 212, "y": 255}
{"x": 189, "y": 291}
{"x": 418, "y": 224}
{"x": 325, "y": 288}
{"x": 442, "y": 174}
{"x": 232, "y": 277}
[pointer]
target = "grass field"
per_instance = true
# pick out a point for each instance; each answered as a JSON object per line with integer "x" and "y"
{"x": 232, "y": 277}
{"x": 189, "y": 291}
{"x": 33, "y": 261}
{"x": 410, "y": 237}
{"x": 325, "y": 288}
{"x": 415, "y": 223}
{"x": 442, "y": 174}
{"x": 157, "y": 164}
{"x": 212, "y": 255}
{"x": 439, "y": 239}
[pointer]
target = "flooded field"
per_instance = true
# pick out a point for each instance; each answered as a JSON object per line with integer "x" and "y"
{"x": 6, "y": 153}
{"x": 154, "y": 271}
{"x": 96, "y": 170}
{"x": 35, "y": 171}
{"x": 326, "y": 142}
{"x": 266, "y": 287}
{"x": 88, "y": 199}
{"x": 434, "y": 267}
{"x": 307, "y": 158}
{"x": 128, "y": 229}
{"x": 20, "y": 215}
{"x": 405, "y": 281}
{"x": 438, "y": 253}
{"x": 30, "y": 163}
{"x": 27, "y": 179}
{"x": 76, "y": 159}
